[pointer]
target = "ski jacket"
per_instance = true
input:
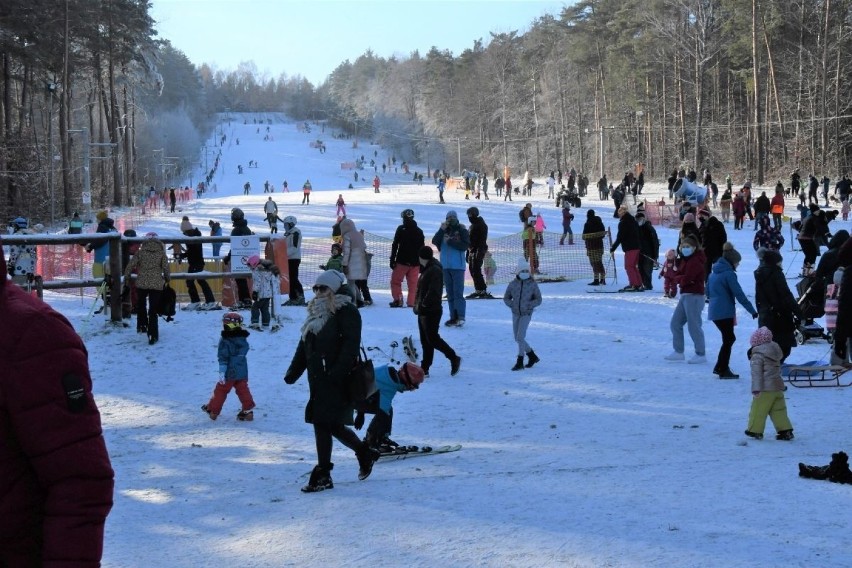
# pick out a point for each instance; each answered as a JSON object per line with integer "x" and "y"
{"x": 713, "y": 237}
{"x": 388, "y": 386}
{"x": 406, "y": 243}
{"x": 649, "y": 242}
{"x": 354, "y": 251}
{"x": 522, "y": 296}
{"x": 327, "y": 350}
{"x": 430, "y": 288}
{"x": 691, "y": 272}
{"x": 776, "y": 305}
{"x": 151, "y": 266}
{"x": 334, "y": 263}
{"x": 766, "y": 368}
{"x": 478, "y": 235}
{"x": 264, "y": 281}
{"x": 767, "y": 236}
{"x": 738, "y": 207}
{"x": 294, "y": 243}
{"x": 724, "y": 290}
{"x": 593, "y": 232}
{"x": 56, "y": 480}
{"x": 453, "y": 242}
{"x": 762, "y": 204}
{"x": 270, "y": 207}
{"x": 567, "y": 217}
{"x": 102, "y": 251}
{"x": 233, "y": 348}
{"x": 194, "y": 254}
{"x": 627, "y": 235}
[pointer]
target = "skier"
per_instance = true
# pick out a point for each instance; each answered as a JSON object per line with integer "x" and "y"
{"x": 233, "y": 370}
{"x": 376, "y": 183}
{"x": 389, "y": 382}
{"x": 341, "y": 206}
{"x": 270, "y": 208}
{"x": 403, "y": 260}
{"x": 522, "y": 296}
{"x": 306, "y": 192}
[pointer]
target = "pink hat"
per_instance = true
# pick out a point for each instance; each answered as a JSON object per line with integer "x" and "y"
{"x": 760, "y": 336}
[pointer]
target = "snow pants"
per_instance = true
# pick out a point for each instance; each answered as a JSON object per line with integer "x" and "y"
{"x": 410, "y": 274}
{"x": 220, "y": 393}
{"x": 454, "y": 283}
{"x": 773, "y": 405}
{"x": 520, "y": 324}
{"x": 631, "y": 266}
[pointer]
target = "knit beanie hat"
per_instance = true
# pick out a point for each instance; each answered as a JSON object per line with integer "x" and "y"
{"x": 730, "y": 254}
{"x": 185, "y": 225}
{"x": 331, "y": 278}
{"x": 522, "y": 265}
{"x": 760, "y": 336}
{"x": 452, "y": 214}
{"x": 703, "y": 213}
{"x": 101, "y": 215}
{"x": 689, "y": 240}
{"x": 426, "y": 253}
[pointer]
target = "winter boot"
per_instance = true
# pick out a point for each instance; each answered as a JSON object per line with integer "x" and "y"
{"x": 785, "y": 435}
{"x": 320, "y": 479}
{"x": 245, "y": 415}
{"x": 212, "y": 415}
{"x": 367, "y": 456}
{"x": 570, "y": 239}
{"x": 726, "y": 373}
{"x": 562, "y": 241}
{"x": 754, "y": 435}
{"x": 532, "y": 359}
{"x": 519, "y": 364}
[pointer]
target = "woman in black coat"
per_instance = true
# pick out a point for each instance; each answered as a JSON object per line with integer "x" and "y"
{"x": 777, "y": 309}
{"x": 328, "y": 350}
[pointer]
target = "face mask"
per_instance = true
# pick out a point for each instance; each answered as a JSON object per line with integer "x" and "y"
{"x": 524, "y": 275}
{"x": 641, "y": 222}
{"x": 686, "y": 251}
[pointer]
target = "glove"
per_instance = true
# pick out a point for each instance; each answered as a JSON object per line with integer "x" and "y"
{"x": 359, "y": 420}
{"x": 392, "y": 265}
{"x": 221, "y": 378}
{"x": 612, "y": 251}
{"x": 754, "y": 315}
{"x": 254, "y": 295}
{"x": 290, "y": 379}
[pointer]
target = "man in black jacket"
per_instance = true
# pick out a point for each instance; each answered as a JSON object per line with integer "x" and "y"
{"x": 777, "y": 309}
{"x": 649, "y": 248}
{"x": 428, "y": 307}
{"x": 476, "y": 253}
{"x": 195, "y": 260}
{"x": 628, "y": 237}
{"x": 241, "y": 228}
{"x": 403, "y": 259}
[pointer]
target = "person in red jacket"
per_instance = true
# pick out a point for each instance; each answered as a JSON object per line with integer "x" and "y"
{"x": 690, "y": 279}
{"x": 56, "y": 480}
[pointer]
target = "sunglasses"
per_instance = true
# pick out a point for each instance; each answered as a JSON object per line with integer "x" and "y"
{"x": 320, "y": 288}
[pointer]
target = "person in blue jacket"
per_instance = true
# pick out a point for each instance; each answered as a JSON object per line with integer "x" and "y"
{"x": 389, "y": 382}
{"x": 724, "y": 291}
{"x": 452, "y": 240}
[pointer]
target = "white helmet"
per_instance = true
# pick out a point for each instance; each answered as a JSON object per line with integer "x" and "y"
{"x": 290, "y": 220}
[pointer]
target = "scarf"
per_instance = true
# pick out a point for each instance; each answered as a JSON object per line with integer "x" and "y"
{"x": 320, "y": 311}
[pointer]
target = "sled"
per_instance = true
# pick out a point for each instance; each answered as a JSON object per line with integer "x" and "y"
{"x": 807, "y": 376}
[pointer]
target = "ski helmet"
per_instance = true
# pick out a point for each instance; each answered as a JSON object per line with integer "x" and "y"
{"x": 473, "y": 212}
{"x": 253, "y": 261}
{"x": 411, "y": 375}
{"x": 290, "y": 220}
{"x": 407, "y": 214}
{"x": 20, "y": 223}
{"x": 151, "y": 235}
{"x": 232, "y": 320}
{"x": 237, "y": 214}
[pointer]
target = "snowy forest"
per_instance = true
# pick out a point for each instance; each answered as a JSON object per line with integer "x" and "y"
{"x": 751, "y": 87}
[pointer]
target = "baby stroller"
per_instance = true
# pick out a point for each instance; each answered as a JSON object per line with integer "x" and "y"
{"x": 811, "y": 300}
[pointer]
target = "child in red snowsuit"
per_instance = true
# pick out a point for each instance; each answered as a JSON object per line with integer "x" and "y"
{"x": 668, "y": 273}
{"x": 233, "y": 369}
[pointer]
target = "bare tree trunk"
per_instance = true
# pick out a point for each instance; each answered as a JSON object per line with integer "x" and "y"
{"x": 681, "y": 111}
{"x": 580, "y": 128}
{"x": 663, "y": 125}
{"x": 836, "y": 119}
{"x": 776, "y": 96}
{"x": 65, "y": 120}
{"x": 758, "y": 137}
{"x": 823, "y": 91}
{"x": 800, "y": 87}
{"x": 536, "y": 126}
{"x": 4, "y": 132}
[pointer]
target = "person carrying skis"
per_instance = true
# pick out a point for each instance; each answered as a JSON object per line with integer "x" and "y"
{"x": 389, "y": 382}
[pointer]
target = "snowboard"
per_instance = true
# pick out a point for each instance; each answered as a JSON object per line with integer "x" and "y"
{"x": 406, "y": 452}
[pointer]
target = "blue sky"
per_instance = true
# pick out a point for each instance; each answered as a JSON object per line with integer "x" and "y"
{"x": 311, "y": 38}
